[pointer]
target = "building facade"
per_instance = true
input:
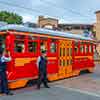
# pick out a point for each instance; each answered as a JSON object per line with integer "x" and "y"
{"x": 97, "y": 25}
{"x": 49, "y": 23}
{"x": 75, "y": 28}
{"x": 52, "y": 23}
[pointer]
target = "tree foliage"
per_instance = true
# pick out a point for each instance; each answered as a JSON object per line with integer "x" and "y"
{"x": 10, "y": 18}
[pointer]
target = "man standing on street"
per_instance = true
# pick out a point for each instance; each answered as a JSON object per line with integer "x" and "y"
{"x": 42, "y": 66}
{"x": 3, "y": 77}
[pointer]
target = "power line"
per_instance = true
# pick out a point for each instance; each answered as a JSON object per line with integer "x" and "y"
{"x": 22, "y": 7}
{"x": 25, "y": 8}
{"x": 69, "y": 10}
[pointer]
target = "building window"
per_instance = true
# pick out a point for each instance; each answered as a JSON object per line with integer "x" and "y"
{"x": 76, "y": 27}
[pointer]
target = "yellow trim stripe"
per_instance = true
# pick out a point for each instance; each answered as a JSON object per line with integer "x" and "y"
{"x": 90, "y": 57}
{"x": 23, "y": 61}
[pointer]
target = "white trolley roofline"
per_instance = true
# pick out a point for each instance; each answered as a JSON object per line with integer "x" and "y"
{"x": 22, "y": 28}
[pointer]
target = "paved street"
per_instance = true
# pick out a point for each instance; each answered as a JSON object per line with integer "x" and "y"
{"x": 84, "y": 87}
{"x": 89, "y": 83}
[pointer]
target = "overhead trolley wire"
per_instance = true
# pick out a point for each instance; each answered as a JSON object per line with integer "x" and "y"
{"x": 64, "y": 9}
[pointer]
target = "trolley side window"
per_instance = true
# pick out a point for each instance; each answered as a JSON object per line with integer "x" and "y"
{"x": 94, "y": 48}
{"x": 86, "y": 49}
{"x": 53, "y": 46}
{"x": 32, "y": 47}
{"x": 63, "y": 51}
{"x": 32, "y": 44}
{"x": 76, "y": 47}
{"x": 70, "y": 51}
{"x": 67, "y": 62}
{"x": 82, "y": 48}
{"x": 19, "y": 44}
{"x": 2, "y": 41}
{"x": 43, "y": 44}
{"x": 67, "y": 51}
{"x": 90, "y": 48}
{"x": 60, "y": 52}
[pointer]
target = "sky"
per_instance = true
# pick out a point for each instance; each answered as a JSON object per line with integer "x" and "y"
{"x": 67, "y": 11}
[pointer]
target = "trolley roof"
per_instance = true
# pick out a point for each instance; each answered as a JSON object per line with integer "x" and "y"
{"x": 22, "y": 28}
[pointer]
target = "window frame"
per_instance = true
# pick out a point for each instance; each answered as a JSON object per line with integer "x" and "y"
{"x": 56, "y": 45}
{"x": 19, "y": 40}
{"x": 35, "y": 40}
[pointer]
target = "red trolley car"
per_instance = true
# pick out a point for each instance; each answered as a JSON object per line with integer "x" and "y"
{"x": 68, "y": 54}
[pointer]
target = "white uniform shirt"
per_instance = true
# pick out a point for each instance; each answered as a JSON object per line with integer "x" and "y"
{"x": 5, "y": 59}
{"x": 38, "y": 61}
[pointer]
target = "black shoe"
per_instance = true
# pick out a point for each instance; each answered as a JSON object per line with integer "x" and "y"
{"x": 47, "y": 87}
{"x": 9, "y": 93}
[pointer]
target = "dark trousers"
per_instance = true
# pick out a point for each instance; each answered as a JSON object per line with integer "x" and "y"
{"x": 3, "y": 82}
{"x": 42, "y": 78}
